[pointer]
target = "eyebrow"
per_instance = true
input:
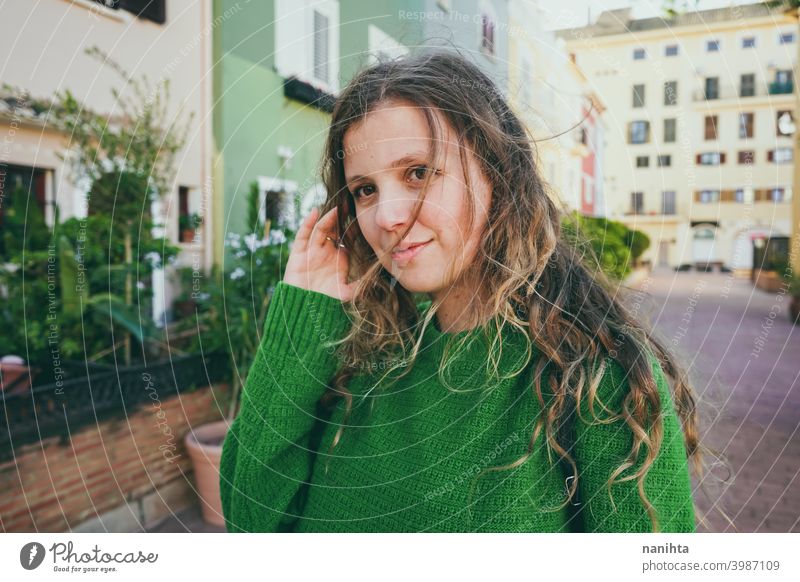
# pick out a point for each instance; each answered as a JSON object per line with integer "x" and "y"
{"x": 398, "y": 163}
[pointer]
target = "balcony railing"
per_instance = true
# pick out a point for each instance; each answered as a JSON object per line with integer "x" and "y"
{"x": 776, "y": 88}
{"x": 739, "y": 92}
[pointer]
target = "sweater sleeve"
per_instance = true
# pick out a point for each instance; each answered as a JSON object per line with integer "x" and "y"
{"x": 601, "y": 448}
{"x": 268, "y": 453}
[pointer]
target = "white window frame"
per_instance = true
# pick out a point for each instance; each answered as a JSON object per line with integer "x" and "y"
{"x": 783, "y": 155}
{"x": 273, "y": 184}
{"x": 381, "y": 42}
{"x": 294, "y": 40}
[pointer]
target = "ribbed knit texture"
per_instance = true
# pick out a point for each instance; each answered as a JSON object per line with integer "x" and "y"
{"x": 410, "y": 453}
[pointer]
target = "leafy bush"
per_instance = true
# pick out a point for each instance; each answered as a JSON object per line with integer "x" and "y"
{"x": 608, "y": 245}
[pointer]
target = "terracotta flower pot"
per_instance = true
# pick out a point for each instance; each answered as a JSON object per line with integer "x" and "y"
{"x": 13, "y": 369}
{"x": 204, "y": 444}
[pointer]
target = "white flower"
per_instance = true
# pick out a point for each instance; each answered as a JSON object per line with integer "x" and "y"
{"x": 276, "y": 237}
{"x": 153, "y": 258}
{"x": 258, "y": 262}
{"x": 251, "y": 241}
{"x": 240, "y": 254}
{"x": 237, "y": 273}
{"x": 233, "y": 240}
{"x": 139, "y": 285}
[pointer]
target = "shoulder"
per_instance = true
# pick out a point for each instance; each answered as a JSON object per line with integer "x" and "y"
{"x": 616, "y": 382}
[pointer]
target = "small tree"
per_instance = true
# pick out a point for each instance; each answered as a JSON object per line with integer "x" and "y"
{"x": 128, "y": 157}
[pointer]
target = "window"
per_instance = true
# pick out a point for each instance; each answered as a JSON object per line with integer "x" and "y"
{"x": 746, "y": 157}
{"x": 712, "y": 46}
{"x": 187, "y": 227}
{"x": 738, "y": 195}
{"x": 745, "y": 125}
{"x": 668, "y": 202}
{"x": 638, "y": 95}
{"x": 29, "y": 183}
{"x": 784, "y": 123}
{"x": 786, "y": 38}
{"x": 487, "y": 34}
{"x": 712, "y": 88}
{"x": 783, "y": 83}
{"x": 671, "y": 93}
{"x": 669, "y": 130}
{"x": 780, "y": 155}
{"x": 671, "y": 50}
{"x": 747, "y": 85}
{"x": 307, "y": 44}
{"x": 153, "y": 10}
{"x": 639, "y": 132}
{"x": 664, "y": 161}
{"x": 778, "y": 195}
{"x": 642, "y": 161}
{"x": 638, "y": 54}
{"x": 637, "y": 202}
{"x": 710, "y": 127}
{"x": 710, "y": 158}
{"x": 383, "y": 47}
{"x": 707, "y": 196}
{"x": 749, "y": 42}
{"x": 321, "y": 58}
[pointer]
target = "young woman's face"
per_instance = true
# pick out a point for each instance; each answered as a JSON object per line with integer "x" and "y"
{"x": 385, "y": 166}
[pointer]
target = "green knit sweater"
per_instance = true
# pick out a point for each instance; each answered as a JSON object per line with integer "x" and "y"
{"x": 413, "y": 455}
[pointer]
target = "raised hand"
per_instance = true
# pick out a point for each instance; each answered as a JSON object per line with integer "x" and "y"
{"x": 317, "y": 264}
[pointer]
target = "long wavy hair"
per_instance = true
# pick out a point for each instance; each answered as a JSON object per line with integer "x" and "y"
{"x": 532, "y": 276}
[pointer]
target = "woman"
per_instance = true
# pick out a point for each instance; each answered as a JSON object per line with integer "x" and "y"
{"x": 424, "y": 353}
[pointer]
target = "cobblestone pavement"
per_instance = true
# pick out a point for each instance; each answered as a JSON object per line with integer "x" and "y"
{"x": 743, "y": 355}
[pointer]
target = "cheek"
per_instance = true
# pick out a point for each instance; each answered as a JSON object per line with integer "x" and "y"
{"x": 366, "y": 223}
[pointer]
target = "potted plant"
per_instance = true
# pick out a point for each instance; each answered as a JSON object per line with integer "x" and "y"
{"x": 188, "y": 223}
{"x": 232, "y": 309}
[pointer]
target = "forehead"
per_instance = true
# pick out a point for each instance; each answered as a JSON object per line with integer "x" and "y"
{"x": 392, "y": 130}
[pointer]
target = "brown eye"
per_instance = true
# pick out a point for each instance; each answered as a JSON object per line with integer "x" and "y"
{"x": 421, "y": 172}
{"x": 362, "y": 191}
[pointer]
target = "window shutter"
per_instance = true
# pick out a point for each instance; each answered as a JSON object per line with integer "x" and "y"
{"x": 697, "y": 158}
{"x": 722, "y": 158}
{"x": 770, "y": 155}
{"x": 321, "y": 47}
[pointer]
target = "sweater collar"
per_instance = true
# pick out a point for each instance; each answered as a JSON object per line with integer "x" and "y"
{"x": 470, "y": 360}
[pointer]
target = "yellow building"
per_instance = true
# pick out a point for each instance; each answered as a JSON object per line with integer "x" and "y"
{"x": 556, "y": 101}
{"x": 701, "y": 109}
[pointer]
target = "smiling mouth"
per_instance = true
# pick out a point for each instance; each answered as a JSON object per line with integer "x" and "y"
{"x": 406, "y": 255}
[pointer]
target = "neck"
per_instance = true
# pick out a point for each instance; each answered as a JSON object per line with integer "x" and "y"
{"x": 461, "y": 309}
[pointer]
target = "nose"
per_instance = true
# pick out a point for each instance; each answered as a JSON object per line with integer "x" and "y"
{"x": 394, "y": 211}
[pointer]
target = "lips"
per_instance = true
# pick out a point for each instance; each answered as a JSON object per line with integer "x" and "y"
{"x": 406, "y": 254}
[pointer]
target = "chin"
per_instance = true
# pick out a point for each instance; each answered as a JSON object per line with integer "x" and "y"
{"x": 414, "y": 280}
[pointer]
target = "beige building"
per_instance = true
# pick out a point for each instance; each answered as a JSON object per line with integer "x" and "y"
{"x": 44, "y": 43}
{"x": 556, "y": 101}
{"x": 701, "y": 109}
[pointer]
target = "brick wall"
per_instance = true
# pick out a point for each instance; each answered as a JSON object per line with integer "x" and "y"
{"x": 133, "y": 460}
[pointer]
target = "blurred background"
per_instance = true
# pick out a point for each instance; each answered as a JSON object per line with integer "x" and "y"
{"x": 156, "y": 157}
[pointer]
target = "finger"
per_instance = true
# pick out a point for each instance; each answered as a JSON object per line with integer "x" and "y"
{"x": 325, "y": 226}
{"x": 303, "y": 235}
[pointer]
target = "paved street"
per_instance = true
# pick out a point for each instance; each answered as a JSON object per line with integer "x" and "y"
{"x": 744, "y": 356}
